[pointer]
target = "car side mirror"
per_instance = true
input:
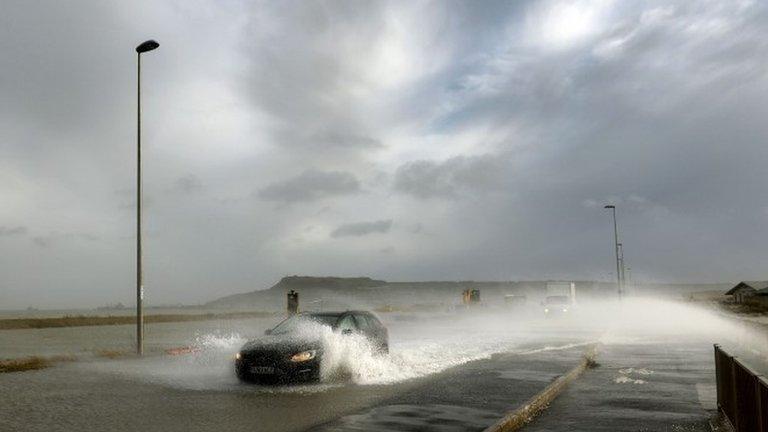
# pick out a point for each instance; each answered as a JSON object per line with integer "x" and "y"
{"x": 346, "y": 332}
{"x": 268, "y": 332}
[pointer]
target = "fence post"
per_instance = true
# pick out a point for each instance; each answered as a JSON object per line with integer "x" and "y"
{"x": 762, "y": 403}
{"x": 726, "y": 382}
{"x": 742, "y": 394}
{"x": 745, "y": 384}
{"x": 719, "y": 376}
{"x": 733, "y": 415}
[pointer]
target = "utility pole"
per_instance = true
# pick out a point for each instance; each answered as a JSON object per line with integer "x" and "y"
{"x": 616, "y": 244}
{"x": 144, "y": 47}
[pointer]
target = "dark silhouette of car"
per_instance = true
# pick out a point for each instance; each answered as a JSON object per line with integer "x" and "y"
{"x": 292, "y": 351}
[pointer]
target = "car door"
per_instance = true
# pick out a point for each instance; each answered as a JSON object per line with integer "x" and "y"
{"x": 365, "y": 326}
{"x": 374, "y": 330}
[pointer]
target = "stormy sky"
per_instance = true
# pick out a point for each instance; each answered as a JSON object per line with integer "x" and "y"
{"x": 398, "y": 140}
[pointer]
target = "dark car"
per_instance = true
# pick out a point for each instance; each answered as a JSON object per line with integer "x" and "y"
{"x": 289, "y": 353}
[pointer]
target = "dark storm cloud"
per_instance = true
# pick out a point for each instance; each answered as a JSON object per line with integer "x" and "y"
{"x": 448, "y": 179}
{"x": 359, "y": 229}
{"x": 658, "y": 110}
{"x": 6, "y": 231}
{"x": 496, "y": 133}
{"x": 315, "y": 101}
{"x": 311, "y": 185}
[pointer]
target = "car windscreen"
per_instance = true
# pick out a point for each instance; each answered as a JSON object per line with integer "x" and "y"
{"x": 295, "y": 322}
{"x": 557, "y": 300}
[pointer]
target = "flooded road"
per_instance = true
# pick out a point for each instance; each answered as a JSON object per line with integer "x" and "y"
{"x": 110, "y": 396}
{"x": 453, "y": 371}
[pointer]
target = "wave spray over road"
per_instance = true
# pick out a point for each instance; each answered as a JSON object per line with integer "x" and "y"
{"x": 421, "y": 345}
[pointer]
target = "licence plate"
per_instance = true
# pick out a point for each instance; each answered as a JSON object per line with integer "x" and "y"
{"x": 262, "y": 369}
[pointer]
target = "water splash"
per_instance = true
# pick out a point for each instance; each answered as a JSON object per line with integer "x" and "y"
{"x": 425, "y": 345}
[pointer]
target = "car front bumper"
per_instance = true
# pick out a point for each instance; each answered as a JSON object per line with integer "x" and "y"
{"x": 266, "y": 369}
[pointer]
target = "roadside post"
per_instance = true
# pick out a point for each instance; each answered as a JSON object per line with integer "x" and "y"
{"x": 293, "y": 302}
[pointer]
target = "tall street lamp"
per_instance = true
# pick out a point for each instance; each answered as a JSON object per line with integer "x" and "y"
{"x": 616, "y": 243}
{"x": 144, "y": 47}
{"x": 621, "y": 265}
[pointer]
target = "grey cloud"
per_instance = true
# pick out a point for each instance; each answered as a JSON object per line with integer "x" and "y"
{"x": 664, "y": 100}
{"x": 311, "y": 185}
{"x": 42, "y": 241}
{"x": 6, "y": 231}
{"x": 345, "y": 140}
{"x": 326, "y": 142}
{"x": 55, "y": 237}
{"x": 633, "y": 204}
{"x": 448, "y": 179}
{"x": 314, "y": 99}
{"x": 146, "y": 202}
{"x": 189, "y": 183}
{"x": 359, "y": 229}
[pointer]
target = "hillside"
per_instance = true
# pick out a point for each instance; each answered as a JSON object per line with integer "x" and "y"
{"x": 309, "y": 287}
{"x": 363, "y": 292}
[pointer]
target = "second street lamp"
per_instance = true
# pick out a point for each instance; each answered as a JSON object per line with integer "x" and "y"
{"x": 144, "y": 47}
{"x": 616, "y": 245}
{"x": 622, "y": 267}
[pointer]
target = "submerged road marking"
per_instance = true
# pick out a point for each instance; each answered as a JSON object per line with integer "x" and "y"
{"x": 518, "y": 418}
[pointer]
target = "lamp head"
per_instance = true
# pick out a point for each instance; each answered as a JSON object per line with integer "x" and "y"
{"x": 610, "y": 207}
{"x": 147, "y": 46}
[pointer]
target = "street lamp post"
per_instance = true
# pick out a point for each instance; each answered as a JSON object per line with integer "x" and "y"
{"x": 622, "y": 267}
{"x": 144, "y": 47}
{"x": 616, "y": 243}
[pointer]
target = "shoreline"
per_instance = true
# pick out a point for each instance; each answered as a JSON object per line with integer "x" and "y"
{"x": 86, "y": 321}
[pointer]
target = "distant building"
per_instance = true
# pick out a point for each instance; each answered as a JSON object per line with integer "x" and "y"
{"x": 746, "y": 289}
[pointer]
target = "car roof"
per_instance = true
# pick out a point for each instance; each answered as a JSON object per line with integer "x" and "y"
{"x": 328, "y": 314}
{"x": 337, "y": 313}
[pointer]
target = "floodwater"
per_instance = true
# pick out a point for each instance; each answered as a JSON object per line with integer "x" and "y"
{"x": 450, "y": 371}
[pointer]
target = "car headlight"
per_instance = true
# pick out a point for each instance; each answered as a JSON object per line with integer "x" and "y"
{"x": 303, "y": 356}
{"x": 238, "y": 356}
{"x": 546, "y": 310}
{"x": 565, "y": 310}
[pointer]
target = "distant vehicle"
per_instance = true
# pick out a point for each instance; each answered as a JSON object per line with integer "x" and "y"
{"x": 287, "y": 353}
{"x": 560, "y": 298}
{"x": 557, "y": 304}
{"x": 470, "y": 297}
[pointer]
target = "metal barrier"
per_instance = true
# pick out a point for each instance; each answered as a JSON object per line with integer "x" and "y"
{"x": 742, "y": 394}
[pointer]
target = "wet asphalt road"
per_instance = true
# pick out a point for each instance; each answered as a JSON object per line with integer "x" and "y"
{"x": 638, "y": 387}
{"x": 464, "y": 398}
{"x": 645, "y": 382}
{"x": 467, "y": 398}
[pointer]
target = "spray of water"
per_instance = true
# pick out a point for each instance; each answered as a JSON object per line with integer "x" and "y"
{"x": 427, "y": 344}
